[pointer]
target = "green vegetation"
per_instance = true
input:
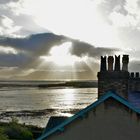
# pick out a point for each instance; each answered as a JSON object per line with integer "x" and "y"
{"x": 15, "y": 131}
{"x": 2, "y": 135}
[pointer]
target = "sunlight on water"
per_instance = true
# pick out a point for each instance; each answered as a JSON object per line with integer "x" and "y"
{"x": 35, "y": 106}
{"x": 69, "y": 96}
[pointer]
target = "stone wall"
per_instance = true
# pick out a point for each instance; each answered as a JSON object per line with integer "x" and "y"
{"x": 116, "y": 81}
{"x": 134, "y": 82}
{"x": 113, "y": 77}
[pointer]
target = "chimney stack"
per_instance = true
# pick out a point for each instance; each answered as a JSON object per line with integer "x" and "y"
{"x": 117, "y": 63}
{"x": 137, "y": 74}
{"x": 103, "y": 63}
{"x": 110, "y": 63}
{"x": 125, "y": 61}
{"x": 132, "y": 75}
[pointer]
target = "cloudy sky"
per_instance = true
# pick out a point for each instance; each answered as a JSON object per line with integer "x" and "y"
{"x": 63, "y": 39}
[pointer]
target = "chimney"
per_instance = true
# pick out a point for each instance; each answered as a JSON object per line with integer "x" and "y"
{"x": 103, "y": 63}
{"x": 132, "y": 75}
{"x": 125, "y": 61}
{"x": 137, "y": 74}
{"x": 110, "y": 63}
{"x": 117, "y": 63}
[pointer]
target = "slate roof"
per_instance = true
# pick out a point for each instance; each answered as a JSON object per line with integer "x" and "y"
{"x": 53, "y": 122}
{"x": 134, "y": 98}
{"x": 83, "y": 112}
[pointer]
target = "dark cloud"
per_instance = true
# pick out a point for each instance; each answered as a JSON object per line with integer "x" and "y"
{"x": 81, "y": 48}
{"x": 33, "y": 43}
{"x": 30, "y": 49}
{"x": 40, "y": 44}
{"x": 13, "y": 60}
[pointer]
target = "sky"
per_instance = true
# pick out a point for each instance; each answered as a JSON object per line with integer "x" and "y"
{"x": 64, "y": 39}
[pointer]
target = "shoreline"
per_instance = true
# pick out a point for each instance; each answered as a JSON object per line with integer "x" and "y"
{"x": 35, "y": 113}
{"x": 40, "y": 84}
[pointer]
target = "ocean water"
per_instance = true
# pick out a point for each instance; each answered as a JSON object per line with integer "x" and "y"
{"x": 32, "y": 105}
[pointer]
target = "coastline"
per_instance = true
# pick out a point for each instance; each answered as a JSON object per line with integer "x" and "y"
{"x": 50, "y": 84}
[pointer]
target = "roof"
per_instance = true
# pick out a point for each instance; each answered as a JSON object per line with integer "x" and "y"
{"x": 82, "y": 113}
{"x": 134, "y": 98}
{"x": 53, "y": 122}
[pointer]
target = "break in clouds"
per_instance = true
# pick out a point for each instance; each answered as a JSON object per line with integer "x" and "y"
{"x": 22, "y": 55}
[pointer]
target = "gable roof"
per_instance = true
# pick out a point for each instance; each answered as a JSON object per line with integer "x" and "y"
{"x": 53, "y": 122}
{"x": 82, "y": 113}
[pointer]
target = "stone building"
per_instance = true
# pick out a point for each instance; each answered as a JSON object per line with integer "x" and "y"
{"x": 113, "y": 77}
{"x": 134, "y": 82}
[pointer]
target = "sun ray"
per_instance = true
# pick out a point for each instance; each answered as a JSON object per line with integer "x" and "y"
{"x": 60, "y": 55}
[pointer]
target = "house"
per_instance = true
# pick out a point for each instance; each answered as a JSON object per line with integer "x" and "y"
{"x": 111, "y": 117}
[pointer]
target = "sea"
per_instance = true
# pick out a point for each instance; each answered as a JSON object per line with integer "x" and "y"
{"x": 32, "y": 105}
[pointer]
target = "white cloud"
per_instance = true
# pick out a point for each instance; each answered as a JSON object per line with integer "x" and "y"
{"x": 74, "y": 18}
{"x": 16, "y": 7}
{"x": 22, "y": 23}
{"x": 131, "y": 19}
{"x": 79, "y": 19}
{"x": 132, "y": 7}
{"x": 8, "y": 50}
{"x": 120, "y": 20}
{"x": 7, "y": 26}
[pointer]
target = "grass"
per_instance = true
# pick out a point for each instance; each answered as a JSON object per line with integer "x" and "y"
{"x": 15, "y": 131}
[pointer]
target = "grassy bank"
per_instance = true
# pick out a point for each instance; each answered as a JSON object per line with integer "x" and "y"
{"x": 15, "y": 131}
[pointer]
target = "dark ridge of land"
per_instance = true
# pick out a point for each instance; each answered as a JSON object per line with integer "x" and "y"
{"x": 74, "y": 84}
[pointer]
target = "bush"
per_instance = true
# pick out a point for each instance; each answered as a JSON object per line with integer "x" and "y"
{"x": 17, "y": 131}
{"x": 2, "y": 135}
